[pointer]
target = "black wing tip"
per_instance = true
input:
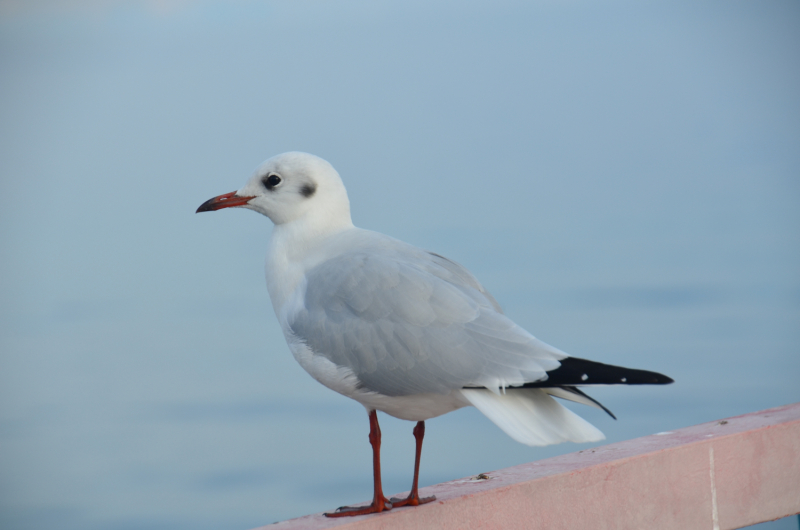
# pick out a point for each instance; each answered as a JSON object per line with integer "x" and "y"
{"x": 663, "y": 379}
{"x": 655, "y": 378}
{"x": 576, "y": 390}
{"x": 647, "y": 378}
{"x": 575, "y": 371}
{"x": 643, "y": 377}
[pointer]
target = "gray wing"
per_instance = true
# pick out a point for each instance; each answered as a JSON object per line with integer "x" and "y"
{"x": 406, "y": 321}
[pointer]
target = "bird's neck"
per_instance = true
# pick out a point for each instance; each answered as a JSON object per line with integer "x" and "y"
{"x": 294, "y": 249}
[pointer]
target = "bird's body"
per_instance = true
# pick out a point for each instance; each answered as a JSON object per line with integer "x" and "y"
{"x": 291, "y": 281}
{"x": 400, "y": 329}
{"x": 357, "y": 310}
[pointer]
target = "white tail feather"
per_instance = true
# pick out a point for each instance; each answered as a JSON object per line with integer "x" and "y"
{"x": 532, "y": 417}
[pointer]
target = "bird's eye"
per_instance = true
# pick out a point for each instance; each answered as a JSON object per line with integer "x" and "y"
{"x": 271, "y": 181}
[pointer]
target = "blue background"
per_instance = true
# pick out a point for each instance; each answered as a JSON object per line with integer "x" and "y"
{"x": 624, "y": 177}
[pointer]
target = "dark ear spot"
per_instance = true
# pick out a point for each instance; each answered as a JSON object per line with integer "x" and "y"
{"x": 308, "y": 190}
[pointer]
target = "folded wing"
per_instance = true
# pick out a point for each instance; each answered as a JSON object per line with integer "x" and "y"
{"x": 406, "y": 322}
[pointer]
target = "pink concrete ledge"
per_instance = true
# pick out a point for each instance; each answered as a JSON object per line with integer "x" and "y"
{"x": 716, "y": 476}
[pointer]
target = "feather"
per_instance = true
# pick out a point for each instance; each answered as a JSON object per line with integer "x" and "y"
{"x": 581, "y": 372}
{"x": 570, "y": 393}
{"x": 530, "y": 416}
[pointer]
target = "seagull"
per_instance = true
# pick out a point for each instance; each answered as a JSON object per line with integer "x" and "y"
{"x": 403, "y": 330}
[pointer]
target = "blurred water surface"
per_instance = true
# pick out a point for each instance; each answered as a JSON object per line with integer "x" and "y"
{"x": 623, "y": 177}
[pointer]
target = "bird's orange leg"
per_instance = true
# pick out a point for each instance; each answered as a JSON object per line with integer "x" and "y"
{"x": 379, "y": 502}
{"x": 413, "y": 498}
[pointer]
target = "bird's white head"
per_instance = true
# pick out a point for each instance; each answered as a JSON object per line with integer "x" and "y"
{"x": 290, "y": 187}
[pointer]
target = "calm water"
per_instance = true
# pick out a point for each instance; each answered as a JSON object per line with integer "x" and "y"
{"x": 624, "y": 179}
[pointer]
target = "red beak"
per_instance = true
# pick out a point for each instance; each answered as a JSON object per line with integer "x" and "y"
{"x": 223, "y": 201}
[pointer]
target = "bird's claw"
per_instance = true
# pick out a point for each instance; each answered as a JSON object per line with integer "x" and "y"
{"x": 411, "y": 500}
{"x": 349, "y": 511}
